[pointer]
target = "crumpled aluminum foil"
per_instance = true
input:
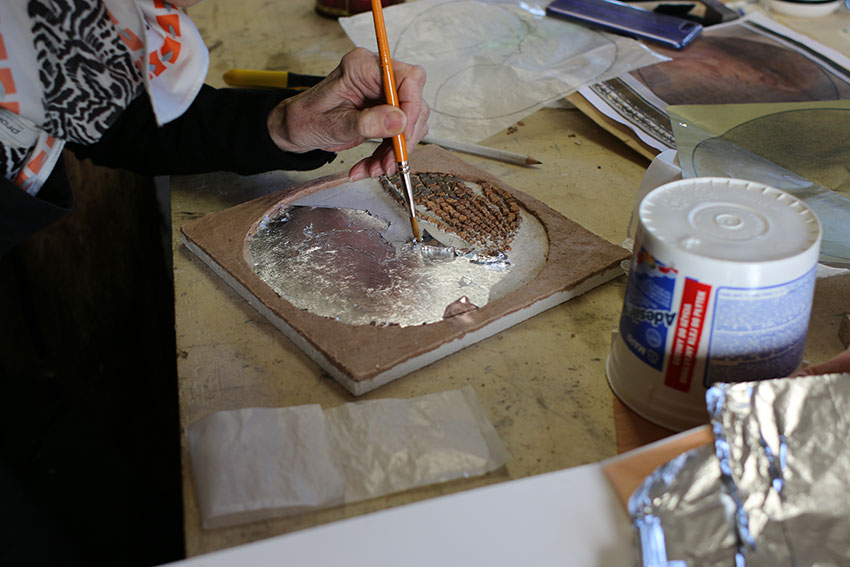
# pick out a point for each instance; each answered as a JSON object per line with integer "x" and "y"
{"x": 771, "y": 491}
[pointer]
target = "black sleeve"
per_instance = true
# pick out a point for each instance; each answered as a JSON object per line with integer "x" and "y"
{"x": 223, "y": 130}
{"x": 22, "y": 215}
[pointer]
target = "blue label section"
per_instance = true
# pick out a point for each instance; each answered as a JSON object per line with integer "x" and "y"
{"x": 759, "y": 333}
{"x": 647, "y": 312}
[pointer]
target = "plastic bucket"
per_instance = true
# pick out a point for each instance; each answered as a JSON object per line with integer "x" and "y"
{"x": 720, "y": 290}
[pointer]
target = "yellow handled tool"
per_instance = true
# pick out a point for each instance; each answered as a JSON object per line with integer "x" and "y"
{"x": 277, "y": 79}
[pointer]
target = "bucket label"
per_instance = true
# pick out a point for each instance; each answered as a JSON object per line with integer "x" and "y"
{"x": 759, "y": 333}
{"x": 684, "y": 349}
{"x": 647, "y": 309}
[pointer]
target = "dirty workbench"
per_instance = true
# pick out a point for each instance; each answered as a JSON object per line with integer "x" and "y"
{"x": 541, "y": 382}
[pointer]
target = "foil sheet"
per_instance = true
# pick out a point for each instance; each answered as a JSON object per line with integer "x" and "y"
{"x": 335, "y": 262}
{"x": 770, "y": 491}
{"x": 251, "y": 464}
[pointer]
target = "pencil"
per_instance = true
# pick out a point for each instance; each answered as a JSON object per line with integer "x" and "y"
{"x": 399, "y": 143}
{"x": 483, "y": 151}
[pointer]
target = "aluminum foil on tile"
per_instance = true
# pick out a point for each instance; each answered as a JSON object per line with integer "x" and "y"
{"x": 771, "y": 491}
{"x": 335, "y": 262}
{"x": 682, "y": 517}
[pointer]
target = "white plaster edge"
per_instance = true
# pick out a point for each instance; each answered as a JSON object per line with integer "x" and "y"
{"x": 284, "y": 327}
{"x": 484, "y": 332}
{"x": 359, "y": 388}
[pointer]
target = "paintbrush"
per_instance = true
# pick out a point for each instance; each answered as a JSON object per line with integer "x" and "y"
{"x": 399, "y": 143}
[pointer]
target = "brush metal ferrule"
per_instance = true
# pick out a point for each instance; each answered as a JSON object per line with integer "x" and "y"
{"x": 404, "y": 173}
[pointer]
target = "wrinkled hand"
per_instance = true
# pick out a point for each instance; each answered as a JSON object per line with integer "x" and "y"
{"x": 349, "y": 107}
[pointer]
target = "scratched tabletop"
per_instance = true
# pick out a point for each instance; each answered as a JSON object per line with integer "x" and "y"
{"x": 542, "y": 382}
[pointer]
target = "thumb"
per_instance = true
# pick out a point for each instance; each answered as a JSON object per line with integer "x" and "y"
{"x": 383, "y": 121}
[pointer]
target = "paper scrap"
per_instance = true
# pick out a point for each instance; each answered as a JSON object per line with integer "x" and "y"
{"x": 749, "y": 60}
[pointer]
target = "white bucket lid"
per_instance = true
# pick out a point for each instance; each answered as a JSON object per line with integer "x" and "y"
{"x": 722, "y": 223}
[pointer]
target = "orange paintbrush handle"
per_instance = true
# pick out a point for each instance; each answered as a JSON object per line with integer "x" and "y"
{"x": 399, "y": 143}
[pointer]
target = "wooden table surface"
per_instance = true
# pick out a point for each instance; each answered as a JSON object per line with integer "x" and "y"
{"x": 541, "y": 382}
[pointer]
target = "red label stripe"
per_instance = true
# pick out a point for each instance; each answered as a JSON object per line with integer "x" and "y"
{"x": 683, "y": 354}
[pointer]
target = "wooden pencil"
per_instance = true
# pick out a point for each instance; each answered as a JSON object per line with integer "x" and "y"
{"x": 483, "y": 151}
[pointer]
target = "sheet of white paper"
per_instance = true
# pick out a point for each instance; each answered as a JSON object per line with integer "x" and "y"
{"x": 569, "y": 517}
{"x": 490, "y": 63}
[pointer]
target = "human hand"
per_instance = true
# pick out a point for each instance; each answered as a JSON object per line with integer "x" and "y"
{"x": 835, "y": 365}
{"x": 349, "y": 107}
